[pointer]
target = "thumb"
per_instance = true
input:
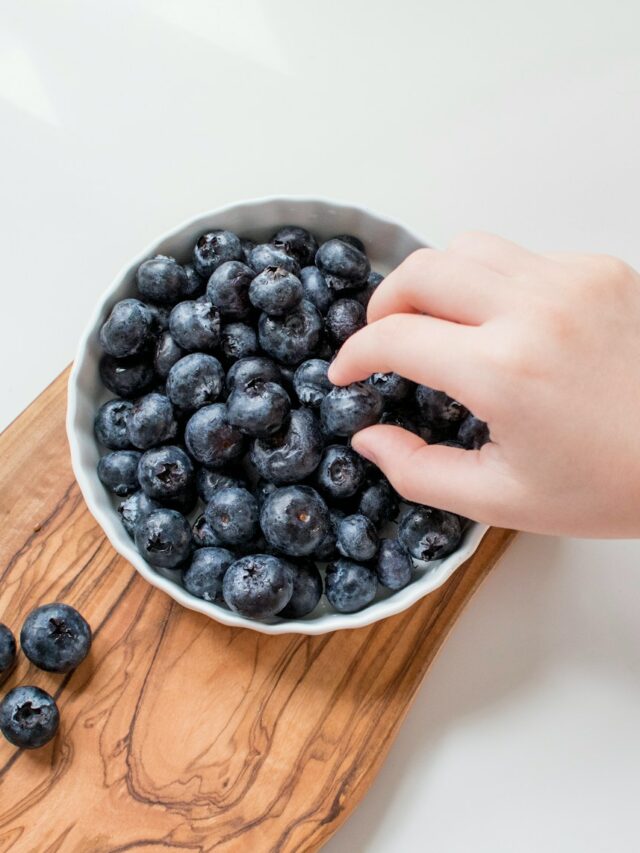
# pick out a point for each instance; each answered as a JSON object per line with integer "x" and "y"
{"x": 449, "y": 478}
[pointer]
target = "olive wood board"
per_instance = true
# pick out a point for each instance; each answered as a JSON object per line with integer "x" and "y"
{"x": 178, "y": 733}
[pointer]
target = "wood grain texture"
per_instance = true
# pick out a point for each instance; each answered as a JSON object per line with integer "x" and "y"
{"x": 179, "y": 733}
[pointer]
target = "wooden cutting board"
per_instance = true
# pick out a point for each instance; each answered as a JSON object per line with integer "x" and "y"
{"x": 179, "y": 733}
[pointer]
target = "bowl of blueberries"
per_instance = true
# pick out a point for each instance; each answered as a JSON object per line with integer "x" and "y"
{"x": 213, "y": 450}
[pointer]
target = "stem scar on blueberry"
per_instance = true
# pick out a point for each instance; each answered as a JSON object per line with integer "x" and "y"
{"x": 167, "y": 472}
{"x": 158, "y": 543}
{"x": 59, "y": 629}
{"x": 26, "y": 713}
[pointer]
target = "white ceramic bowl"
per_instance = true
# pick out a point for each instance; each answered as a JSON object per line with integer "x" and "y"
{"x": 388, "y": 243}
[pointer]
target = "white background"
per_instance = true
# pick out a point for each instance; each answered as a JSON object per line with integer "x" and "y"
{"x": 120, "y": 119}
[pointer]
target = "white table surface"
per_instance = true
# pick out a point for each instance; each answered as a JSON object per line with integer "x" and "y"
{"x": 521, "y": 118}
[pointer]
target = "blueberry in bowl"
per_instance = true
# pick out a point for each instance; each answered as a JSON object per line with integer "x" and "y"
{"x": 214, "y": 451}
{"x": 258, "y": 586}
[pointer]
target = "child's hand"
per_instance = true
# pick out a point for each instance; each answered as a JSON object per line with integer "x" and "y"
{"x": 546, "y": 349}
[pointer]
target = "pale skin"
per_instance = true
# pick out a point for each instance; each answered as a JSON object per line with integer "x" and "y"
{"x": 546, "y": 349}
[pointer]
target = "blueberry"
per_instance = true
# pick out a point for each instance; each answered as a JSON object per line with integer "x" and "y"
{"x": 295, "y": 520}
{"x": 29, "y": 717}
{"x": 348, "y": 289}
{"x": 395, "y": 566}
{"x": 127, "y": 377}
{"x": 162, "y": 280}
{"x": 55, "y": 637}
{"x": 184, "y": 502}
{"x": 7, "y": 649}
{"x": 430, "y": 534}
{"x": 346, "y": 410}
{"x": 316, "y": 289}
{"x": 160, "y": 314}
{"x": 437, "y": 409}
{"x": 311, "y": 382}
{"x": 393, "y": 387}
{"x": 254, "y": 367}
{"x": 328, "y": 547}
{"x": 307, "y": 590}
{"x": 431, "y": 436}
{"x": 266, "y": 255}
{"x": 110, "y": 425}
{"x": 258, "y": 586}
{"x": 287, "y": 373}
{"x": 167, "y": 353}
{"x": 118, "y": 472}
{"x": 373, "y": 281}
{"x": 213, "y": 249}
{"x": 404, "y": 421}
{"x": 160, "y": 387}
{"x": 292, "y": 338}
{"x": 211, "y": 439}
{"x": 233, "y": 515}
{"x": 259, "y": 408}
{"x": 247, "y": 247}
{"x": 128, "y": 329}
{"x": 340, "y": 473}
{"x": 204, "y": 575}
{"x": 292, "y": 454}
{"x": 238, "y": 340}
{"x": 195, "y": 381}
{"x": 248, "y": 470}
{"x": 195, "y": 326}
{"x": 135, "y": 507}
{"x": 165, "y": 473}
{"x": 256, "y": 546}
{"x": 195, "y": 285}
{"x": 164, "y": 538}
{"x": 209, "y": 482}
{"x": 325, "y": 349}
{"x": 337, "y": 258}
{"x": 350, "y": 586}
{"x": 473, "y": 433}
{"x": 378, "y": 502}
{"x": 228, "y": 290}
{"x": 298, "y": 242}
{"x": 262, "y": 491}
{"x": 275, "y": 291}
{"x": 151, "y": 421}
{"x": 204, "y": 536}
{"x": 371, "y": 472}
{"x": 357, "y": 538}
{"x": 351, "y": 240}
{"x": 365, "y": 294}
{"x": 344, "y": 318}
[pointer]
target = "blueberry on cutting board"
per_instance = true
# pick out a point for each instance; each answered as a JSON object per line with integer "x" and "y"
{"x": 7, "y": 649}
{"x": 29, "y": 717}
{"x": 55, "y": 637}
